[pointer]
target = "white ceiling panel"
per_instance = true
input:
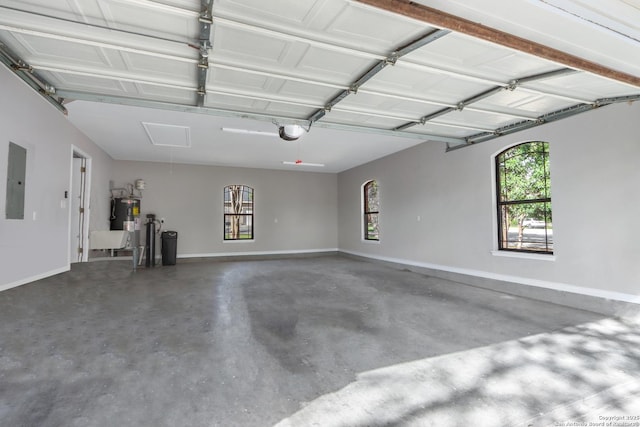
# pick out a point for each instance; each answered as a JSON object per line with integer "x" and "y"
{"x": 233, "y": 79}
{"x": 372, "y": 27}
{"x": 251, "y": 104}
{"x": 156, "y": 18}
{"x": 431, "y": 128}
{"x": 167, "y": 94}
{"x": 475, "y": 120}
{"x": 480, "y": 58}
{"x": 584, "y": 85}
{"x": 624, "y": 16}
{"x": 265, "y": 96}
{"x": 21, "y": 21}
{"x": 398, "y": 106}
{"x": 297, "y": 13}
{"x": 234, "y": 43}
{"x": 560, "y": 26}
{"x": 363, "y": 119}
{"x": 411, "y": 81}
{"x": 151, "y": 66}
{"x": 342, "y": 23}
{"x": 41, "y": 49}
{"x": 310, "y": 93}
{"x": 372, "y": 74}
{"x": 70, "y": 73}
{"x": 85, "y": 83}
{"x": 523, "y": 102}
{"x": 63, "y": 8}
{"x": 238, "y": 103}
{"x": 279, "y": 109}
{"x": 340, "y": 66}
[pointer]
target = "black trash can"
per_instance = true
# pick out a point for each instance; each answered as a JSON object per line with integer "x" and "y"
{"x": 169, "y": 247}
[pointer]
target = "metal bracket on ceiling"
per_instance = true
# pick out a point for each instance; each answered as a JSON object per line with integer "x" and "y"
{"x": 50, "y": 90}
{"x": 30, "y": 77}
{"x": 206, "y": 21}
{"x": 617, "y": 99}
{"x": 21, "y": 66}
{"x": 205, "y": 17}
{"x": 545, "y": 118}
{"x": 203, "y": 63}
{"x": 512, "y": 85}
{"x": 377, "y": 67}
{"x": 205, "y": 46}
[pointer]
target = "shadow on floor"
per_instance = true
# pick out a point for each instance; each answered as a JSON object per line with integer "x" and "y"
{"x": 580, "y": 375}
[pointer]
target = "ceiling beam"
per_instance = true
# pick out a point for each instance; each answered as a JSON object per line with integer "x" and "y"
{"x": 442, "y": 19}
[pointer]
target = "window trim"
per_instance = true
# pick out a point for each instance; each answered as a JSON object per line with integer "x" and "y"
{"x": 498, "y": 250}
{"x": 524, "y": 255}
{"x": 365, "y": 212}
{"x": 250, "y": 215}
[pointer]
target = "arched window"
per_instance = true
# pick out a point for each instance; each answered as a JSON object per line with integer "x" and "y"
{"x": 371, "y": 207}
{"x": 524, "y": 198}
{"x": 238, "y": 212}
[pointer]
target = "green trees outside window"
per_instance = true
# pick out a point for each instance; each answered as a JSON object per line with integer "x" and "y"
{"x": 524, "y": 198}
{"x": 238, "y": 212}
{"x": 371, "y": 211}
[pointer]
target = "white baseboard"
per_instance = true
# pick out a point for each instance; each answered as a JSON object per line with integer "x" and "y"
{"x": 257, "y": 253}
{"x": 33, "y": 278}
{"x": 227, "y": 254}
{"x": 556, "y": 286}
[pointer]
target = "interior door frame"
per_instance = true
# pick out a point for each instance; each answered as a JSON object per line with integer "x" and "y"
{"x": 86, "y": 197}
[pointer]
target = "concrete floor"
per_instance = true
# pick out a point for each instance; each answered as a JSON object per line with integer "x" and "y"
{"x": 325, "y": 341}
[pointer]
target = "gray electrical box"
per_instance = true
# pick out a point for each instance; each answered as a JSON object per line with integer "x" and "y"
{"x": 16, "y": 171}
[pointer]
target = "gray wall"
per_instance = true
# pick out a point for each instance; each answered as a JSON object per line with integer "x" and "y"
{"x": 33, "y": 248}
{"x": 595, "y": 198}
{"x": 189, "y": 197}
{"x": 595, "y": 182}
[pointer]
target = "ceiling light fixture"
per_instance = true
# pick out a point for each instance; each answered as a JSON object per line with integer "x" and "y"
{"x": 301, "y": 163}
{"x": 249, "y": 132}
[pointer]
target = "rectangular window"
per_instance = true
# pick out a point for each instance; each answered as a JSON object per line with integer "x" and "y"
{"x": 238, "y": 212}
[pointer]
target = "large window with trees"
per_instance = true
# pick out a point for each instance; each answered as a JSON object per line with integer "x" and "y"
{"x": 524, "y": 198}
{"x": 371, "y": 211}
{"x": 238, "y": 212}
